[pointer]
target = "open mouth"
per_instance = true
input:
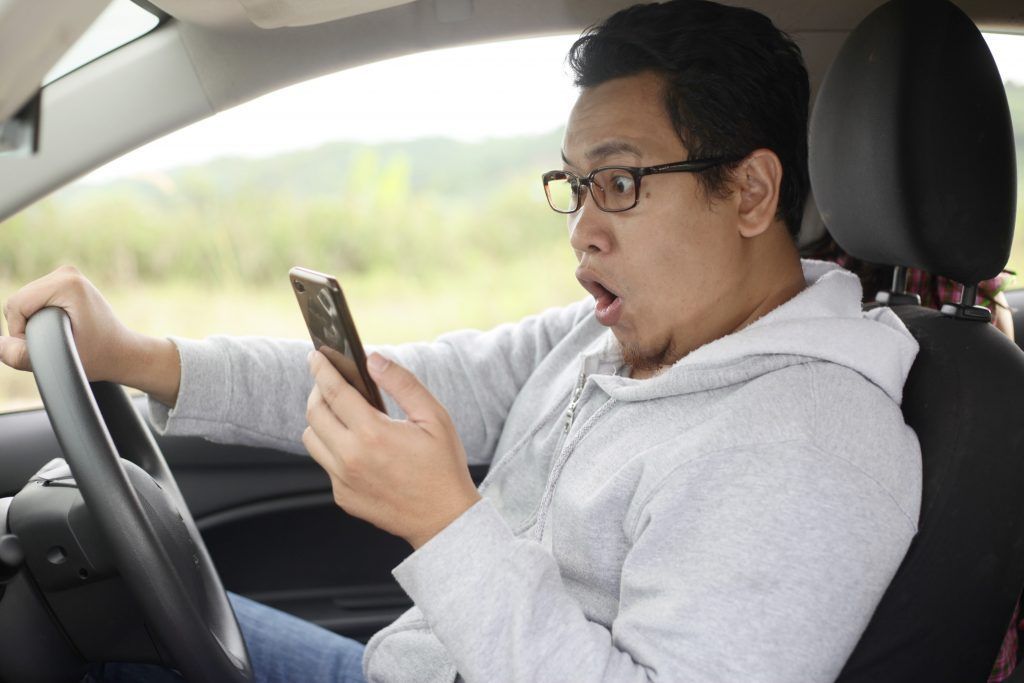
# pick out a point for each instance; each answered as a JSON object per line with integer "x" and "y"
{"x": 608, "y": 304}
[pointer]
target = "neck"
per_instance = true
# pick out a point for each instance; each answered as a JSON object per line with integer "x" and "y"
{"x": 781, "y": 268}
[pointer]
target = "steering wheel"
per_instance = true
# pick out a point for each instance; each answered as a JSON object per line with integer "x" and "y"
{"x": 138, "y": 509}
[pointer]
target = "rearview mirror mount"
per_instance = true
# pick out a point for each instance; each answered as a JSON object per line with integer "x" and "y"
{"x": 19, "y": 135}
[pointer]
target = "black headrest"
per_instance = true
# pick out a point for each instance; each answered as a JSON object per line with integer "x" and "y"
{"x": 911, "y": 144}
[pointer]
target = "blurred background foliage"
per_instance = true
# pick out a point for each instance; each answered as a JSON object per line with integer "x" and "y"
{"x": 419, "y": 209}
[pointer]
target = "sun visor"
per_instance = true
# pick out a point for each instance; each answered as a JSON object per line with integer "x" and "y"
{"x": 281, "y": 13}
{"x": 34, "y": 34}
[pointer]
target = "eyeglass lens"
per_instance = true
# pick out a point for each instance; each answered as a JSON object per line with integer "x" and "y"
{"x": 613, "y": 189}
{"x": 562, "y": 192}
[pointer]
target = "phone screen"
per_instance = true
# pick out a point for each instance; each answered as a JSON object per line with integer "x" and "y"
{"x": 332, "y": 330}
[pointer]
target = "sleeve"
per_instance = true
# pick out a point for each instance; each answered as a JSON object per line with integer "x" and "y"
{"x": 250, "y": 391}
{"x": 253, "y": 390}
{"x": 746, "y": 566}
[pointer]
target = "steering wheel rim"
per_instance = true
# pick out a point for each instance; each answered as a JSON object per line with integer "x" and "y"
{"x": 203, "y": 640}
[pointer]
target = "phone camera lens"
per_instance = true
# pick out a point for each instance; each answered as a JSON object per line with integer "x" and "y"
{"x": 299, "y": 287}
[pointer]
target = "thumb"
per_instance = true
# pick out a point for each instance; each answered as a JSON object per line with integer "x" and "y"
{"x": 14, "y": 353}
{"x": 412, "y": 397}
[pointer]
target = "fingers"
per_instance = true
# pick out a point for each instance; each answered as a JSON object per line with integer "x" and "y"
{"x": 13, "y": 314}
{"x": 418, "y": 403}
{"x": 326, "y": 426}
{"x": 343, "y": 399}
{"x": 57, "y": 288}
{"x": 333, "y": 464}
{"x": 319, "y": 451}
{"x": 14, "y": 353}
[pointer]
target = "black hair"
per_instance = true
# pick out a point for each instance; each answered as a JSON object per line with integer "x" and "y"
{"x": 733, "y": 83}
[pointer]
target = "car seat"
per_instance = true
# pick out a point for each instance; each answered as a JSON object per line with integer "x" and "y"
{"x": 912, "y": 165}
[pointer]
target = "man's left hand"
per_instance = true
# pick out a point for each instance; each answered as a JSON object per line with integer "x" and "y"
{"x": 407, "y": 477}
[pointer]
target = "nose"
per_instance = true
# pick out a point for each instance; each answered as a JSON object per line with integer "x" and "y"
{"x": 590, "y": 229}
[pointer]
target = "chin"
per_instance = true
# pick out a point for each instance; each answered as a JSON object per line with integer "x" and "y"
{"x": 639, "y": 357}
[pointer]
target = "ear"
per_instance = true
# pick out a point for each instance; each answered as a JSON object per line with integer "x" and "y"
{"x": 757, "y": 179}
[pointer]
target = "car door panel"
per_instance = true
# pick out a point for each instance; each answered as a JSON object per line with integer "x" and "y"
{"x": 268, "y": 519}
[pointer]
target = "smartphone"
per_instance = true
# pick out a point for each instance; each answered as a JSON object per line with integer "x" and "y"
{"x": 331, "y": 328}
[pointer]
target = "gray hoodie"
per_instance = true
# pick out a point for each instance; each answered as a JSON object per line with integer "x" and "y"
{"x": 736, "y": 517}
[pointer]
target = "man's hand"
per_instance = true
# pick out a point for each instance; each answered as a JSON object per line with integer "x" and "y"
{"x": 407, "y": 477}
{"x": 109, "y": 350}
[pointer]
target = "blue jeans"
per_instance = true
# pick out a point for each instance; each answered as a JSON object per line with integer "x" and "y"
{"x": 282, "y": 649}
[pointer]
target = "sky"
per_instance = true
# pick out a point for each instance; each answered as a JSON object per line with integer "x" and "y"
{"x": 469, "y": 93}
{"x": 1008, "y": 51}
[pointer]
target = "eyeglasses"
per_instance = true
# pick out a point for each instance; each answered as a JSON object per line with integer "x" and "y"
{"x": 614, "y": 188}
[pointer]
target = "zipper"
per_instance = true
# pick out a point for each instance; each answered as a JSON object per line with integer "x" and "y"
{"x": 570, "y": 414}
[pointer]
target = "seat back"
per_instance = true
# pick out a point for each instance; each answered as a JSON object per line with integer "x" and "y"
{"x": 912, "y": 164}
{"x": 944, "y": 616}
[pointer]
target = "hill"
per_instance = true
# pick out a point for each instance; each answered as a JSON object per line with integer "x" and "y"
{"x": 444, "y": 167}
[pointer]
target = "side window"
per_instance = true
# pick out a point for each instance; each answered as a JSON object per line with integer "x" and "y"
{"x": 1008, "y": 51}
{"x": 415, "y": 181}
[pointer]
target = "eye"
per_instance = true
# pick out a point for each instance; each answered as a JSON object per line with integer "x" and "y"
{"x": 620, "y": 184}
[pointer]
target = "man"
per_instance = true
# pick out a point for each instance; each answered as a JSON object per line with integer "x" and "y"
{"x": 701, "y": 473}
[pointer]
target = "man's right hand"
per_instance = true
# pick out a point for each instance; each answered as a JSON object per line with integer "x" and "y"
{"x": 109, "y": 350}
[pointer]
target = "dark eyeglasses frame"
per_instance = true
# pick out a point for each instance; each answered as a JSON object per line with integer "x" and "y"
{"x": 638, "y": 172}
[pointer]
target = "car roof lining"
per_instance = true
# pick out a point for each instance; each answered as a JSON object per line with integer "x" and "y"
{"x": 236, "y": 60}
{"x": 790, "y": 15}
{"x": 240, "y": 63}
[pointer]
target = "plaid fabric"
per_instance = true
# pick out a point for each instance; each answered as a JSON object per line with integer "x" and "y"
{"x": 936, "y": 290}
{"x": 1009, "y": 653}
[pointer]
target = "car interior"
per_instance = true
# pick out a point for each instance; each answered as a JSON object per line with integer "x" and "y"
{"x": 82, "y": 576}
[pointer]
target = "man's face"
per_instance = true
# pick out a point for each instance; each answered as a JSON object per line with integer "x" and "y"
{"x": 661, "y": 271}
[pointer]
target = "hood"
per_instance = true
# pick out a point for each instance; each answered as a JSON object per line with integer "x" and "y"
{"x": 823, "y": 322}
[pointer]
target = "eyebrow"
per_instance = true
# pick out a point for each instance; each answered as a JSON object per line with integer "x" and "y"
{"x": 607, "y": 149}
